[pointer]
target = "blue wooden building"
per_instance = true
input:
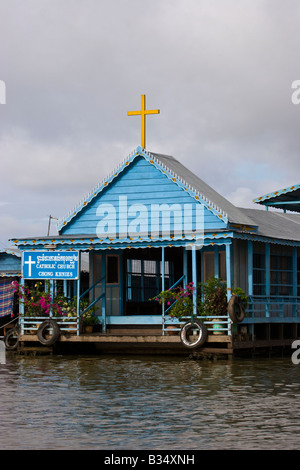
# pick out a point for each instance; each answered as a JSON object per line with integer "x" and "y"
{"x": 152, "y": 222}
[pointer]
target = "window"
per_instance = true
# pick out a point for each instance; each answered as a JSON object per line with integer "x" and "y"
{"x": 144, "y": 279}
{"x": 222, "y": 265}
{"x": 298, "y": 271}
{"x": 281, "y": 274}
{"x": 259, "y": 274}
{"x": 208, "y": 265}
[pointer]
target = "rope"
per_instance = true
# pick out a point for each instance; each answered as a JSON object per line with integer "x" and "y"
{"x": 3, "y": 326}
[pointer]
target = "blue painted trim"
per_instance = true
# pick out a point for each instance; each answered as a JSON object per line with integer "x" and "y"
{"x": 163, "y": 276}
{"x": 86, "y": 243}
{"x": 216, "y": 262}
{"x": 90, "y": 243}
{"x": 78, "y": 293}
{"x": 134, "y": 320}
{"x": 229, "y": 270}
{"x": 269, "y": 320}
{"x": 275, "y": 194}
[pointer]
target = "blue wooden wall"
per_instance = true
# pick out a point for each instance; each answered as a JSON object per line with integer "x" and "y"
{"x": 141, "y": 183}
{"x": 9, "y": 262}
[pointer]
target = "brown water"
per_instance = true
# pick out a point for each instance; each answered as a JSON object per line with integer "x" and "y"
{"x": 147, "y": 403}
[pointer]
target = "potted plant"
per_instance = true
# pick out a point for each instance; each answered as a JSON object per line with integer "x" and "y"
{"x": 89, "y": 320}
{"x": 214, "y": 301}
{"x": 179, "y": 302}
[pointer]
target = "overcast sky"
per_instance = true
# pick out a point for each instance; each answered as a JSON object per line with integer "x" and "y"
{"x": 220, "y": 71}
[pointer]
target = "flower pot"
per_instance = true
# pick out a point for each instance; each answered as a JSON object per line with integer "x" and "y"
{"x": 172, "y": 330}
{"x": 72, "y": 329}
{"x": 217, "y": 327}
{"x": 88, "y": 329}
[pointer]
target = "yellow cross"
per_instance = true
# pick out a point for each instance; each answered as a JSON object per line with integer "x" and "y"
{"x": 143, "y": 113}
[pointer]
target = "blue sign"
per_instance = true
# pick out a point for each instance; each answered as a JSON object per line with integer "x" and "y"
{"x": 50, "y": 264}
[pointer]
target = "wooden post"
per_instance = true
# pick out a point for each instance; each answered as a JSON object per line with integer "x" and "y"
{"x": 163, "y": 277}
{"x": 250, "y": 283}
{"x": 294, "y": 281}
{"x": 194, "y": 276}
{"x": 250, "y": 268}
{"x": 103, "y": 271}
{"x": 228, "y": 270}
{"x": 216, "y": 259}
{"x": 21, "y": 305}
{"x": 185, "y": 265}
{"x": 51, "y": 286}
{"x": 78, "y": 291}
{"x": 268, "y": 275}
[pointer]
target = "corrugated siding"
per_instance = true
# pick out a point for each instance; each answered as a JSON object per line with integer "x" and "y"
{"x": 141, "y": 183}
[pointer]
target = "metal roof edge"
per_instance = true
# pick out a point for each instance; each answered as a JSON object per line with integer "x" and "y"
{"x": 261, "y": 199}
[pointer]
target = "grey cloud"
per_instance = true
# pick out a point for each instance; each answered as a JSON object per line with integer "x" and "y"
{"x": 220, "y": 71}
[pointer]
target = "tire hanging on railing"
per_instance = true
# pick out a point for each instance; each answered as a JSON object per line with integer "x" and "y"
{"x": 236, "y": 309}
{"x": 48, "y": 332}
{"x": 11, "y": 339}
{"x": 193, "y": 334}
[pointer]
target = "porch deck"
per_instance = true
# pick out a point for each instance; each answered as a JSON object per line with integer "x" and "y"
{"x": 266, "y": 340}
{"x": 130, "y": 342}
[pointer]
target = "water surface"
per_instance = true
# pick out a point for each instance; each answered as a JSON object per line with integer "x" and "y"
{"x": 147, "y": 403}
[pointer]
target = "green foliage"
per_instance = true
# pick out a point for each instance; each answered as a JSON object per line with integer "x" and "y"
{"x": 89, "y": 318}
{"x": 244, "y": 298}
{"x": 180, "y": 298}
{"x": 214, "y": 297}
{"x": 211, "y": 298}
{"x": 38, "y": 302}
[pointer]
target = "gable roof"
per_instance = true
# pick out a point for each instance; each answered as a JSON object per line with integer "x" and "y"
{"x": 180, "y": 175}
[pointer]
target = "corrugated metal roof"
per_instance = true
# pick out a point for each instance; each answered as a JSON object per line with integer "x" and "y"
{"x": 275, "y": 224}
{"x": 234, "y": 214}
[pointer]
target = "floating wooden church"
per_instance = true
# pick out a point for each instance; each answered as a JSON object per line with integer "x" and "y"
{"x": 152, "y": 223}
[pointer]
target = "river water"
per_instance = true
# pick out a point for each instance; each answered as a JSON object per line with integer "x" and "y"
{"x": 148, "y": 403}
